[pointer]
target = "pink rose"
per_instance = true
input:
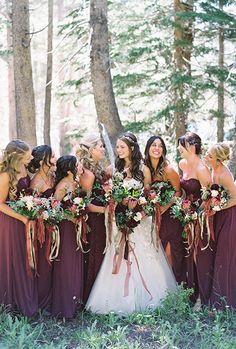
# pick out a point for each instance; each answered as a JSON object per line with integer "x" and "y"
{"x": 125, "y": 201}
{"x": 215, "y": 201}
{"x": 73, "y": 208}
{"x": 132, "y": 203}
{"x": 186, "y": 204}
{"x": 152, "y": 194}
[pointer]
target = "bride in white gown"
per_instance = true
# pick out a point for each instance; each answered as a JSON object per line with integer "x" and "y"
{"x": 124, "y": 286}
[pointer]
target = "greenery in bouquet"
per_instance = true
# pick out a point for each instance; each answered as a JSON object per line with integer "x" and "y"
{"x": 74, "y": 204}
{"x": 27, "y": 204}
{"x": 52, "y": 211}
{"x": 123, "y": 191}
{"x": 184, "y": 210}
{"x": 161, "y": 193}
{"x": 128, "y": 217}
{"x": 216, "y": 196}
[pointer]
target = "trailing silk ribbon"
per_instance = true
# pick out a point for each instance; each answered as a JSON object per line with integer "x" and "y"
{"x": 125, "y": 248}
{"x": 109, "y": 222}
{"x": 156, "y": 226}
{"x": 53, "y": 242}
{"x": 81, "y": 233}
{"x": 31, "y": 246}
{"x": 40, "y": 230}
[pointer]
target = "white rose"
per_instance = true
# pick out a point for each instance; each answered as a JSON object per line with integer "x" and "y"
{"x": 214, "y": 193}
{"x": 216, "y": 208}
{"x": 138, "y": 216}
{"x": 142, "y": 201}
{"x": 77, "y": 201}
{"x": 45, "y": 215}
{"x": 194, "y": 215}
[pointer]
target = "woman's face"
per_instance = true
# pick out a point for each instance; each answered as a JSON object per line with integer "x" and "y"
{"x": 156, "y": 149}
{"x": 122, "y": 149}
{"x": 98, "y": 152}
{"x": 210, "y": 158}
{"x": 52, "y": 164}
{"x": 27, "y": 158}
{"x": 184, "y": 152}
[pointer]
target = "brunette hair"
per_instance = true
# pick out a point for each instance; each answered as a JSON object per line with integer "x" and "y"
{"x": 40, "y": 153}
{"x": 192, "y": 139}
{"x": 64, "y": 164}
{"x": 135, "y": 156}
{"x": 160, "y": 170}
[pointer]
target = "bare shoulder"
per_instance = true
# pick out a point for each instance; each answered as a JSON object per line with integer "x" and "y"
{"x": 87, "y": 180}
{"x": 146, "y": 170}
{"x": 183, "y": 164}
{"x": 4, "y": 179}
{"x": 170, "y": 171}
{"x": 109, "y": 171}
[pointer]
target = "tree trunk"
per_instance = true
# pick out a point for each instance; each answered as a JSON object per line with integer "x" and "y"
{"x": 63, "y": 106}
{"x": 11, "y": 83}
{"x": 220, "y": 112}
{"x": 105, "y": 104}
{"x": 24, "y": 92}
{"x": 182, "y": 56}
{"x": 48, "y": 89}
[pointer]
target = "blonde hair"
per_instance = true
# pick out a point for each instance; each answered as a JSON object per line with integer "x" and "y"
{"x": 221, "y": 151}
{"x": 11, "y": 162}
{"x": 84, "y": 152}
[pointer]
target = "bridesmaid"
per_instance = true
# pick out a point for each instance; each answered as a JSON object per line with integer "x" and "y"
{"x": 68, "y": 268}
{"x": 17, "y": 288}
{"x": 91, "y": 151}
{"x": 43, "y": 165}
{"x": 171, "y": 229}
{"x": 199, "y": 263}
{"x": 224, "y": 277}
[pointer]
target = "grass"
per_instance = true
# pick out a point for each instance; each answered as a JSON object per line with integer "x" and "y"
{"x": 175, "y": 324}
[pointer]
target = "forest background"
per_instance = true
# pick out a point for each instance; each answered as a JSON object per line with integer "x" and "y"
{"x": 151, "y": 67}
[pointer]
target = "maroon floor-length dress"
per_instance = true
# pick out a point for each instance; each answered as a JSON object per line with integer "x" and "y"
{"x": 199, "y": 272}
{"x": 96, "y": 242}
{"x": 224, "y": 277}
{"x": 44, "y": 268}
{"x": 18, "y": 289}
{"x": 67, "y": 289}
{"x": 171, "y": 232}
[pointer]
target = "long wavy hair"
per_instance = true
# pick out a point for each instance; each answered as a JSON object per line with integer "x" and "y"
{"x": 135, "y": 156}
{"x": 64, "y": 164}
{"x": 192, "y": 139}
{"x": 159, "y": 171}
{"x": 84, "y": 153}
{"x": 11, "y": 162}
{"x": 40, "y": 153}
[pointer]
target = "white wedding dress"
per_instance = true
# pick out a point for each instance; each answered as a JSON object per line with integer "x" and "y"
{"x": 137, "y": 285}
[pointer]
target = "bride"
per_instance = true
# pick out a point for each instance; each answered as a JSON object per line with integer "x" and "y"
{"x": 141, "y": 280}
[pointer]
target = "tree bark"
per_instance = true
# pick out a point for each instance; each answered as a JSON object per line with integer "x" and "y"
{"x": 48, "y": 89}
{"x": 182, "y": 57}
{"x": 24, "y": 92}
{"x": 105, "y": 104}
{"x": 11, "y": 83}
{"x": 220, "y": 111}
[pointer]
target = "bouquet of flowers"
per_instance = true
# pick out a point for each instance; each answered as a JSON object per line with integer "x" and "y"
{"x": 185, "y": 210}
{"x": 161, "y": 193}
{"x": 27, "y": 204}
{"x": 215, "y": 197}
{"x": 74, "y": 205}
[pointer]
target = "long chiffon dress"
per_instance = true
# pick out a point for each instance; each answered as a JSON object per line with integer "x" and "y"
{"x": 44, "y": 269}
{"x": 67, "y": 288}
{"x": 18, "y": 289}
{"x": 224, "y": 277}
{"x": 199, "y": 268}
{"x": 138, "y": 283}
{"x": 96, "y": 242}
{"x": 171, "y": 233}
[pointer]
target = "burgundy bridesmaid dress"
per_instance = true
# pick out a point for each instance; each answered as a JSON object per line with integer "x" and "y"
{"x": 224, "y": 277}
{"x": 18, "y": 289}
{"x": 44, "y": 268}
{"x": 199, "y": 269}
{"x": 96, "y": 244}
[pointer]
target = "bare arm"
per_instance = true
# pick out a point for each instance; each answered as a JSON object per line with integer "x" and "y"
{"x": 147, "y": 176}
{"x": 4, "y": 190}
{"x": 228, "y": 183}
{"x": 204, "y": 176}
